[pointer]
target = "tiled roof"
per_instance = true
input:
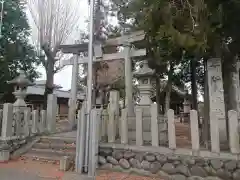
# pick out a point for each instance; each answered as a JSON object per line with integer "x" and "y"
{"x": 34, "y": 90}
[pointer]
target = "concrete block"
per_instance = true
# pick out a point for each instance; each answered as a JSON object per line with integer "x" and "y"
{"x": 4, "y": 155}
{"x": 65, "y": 163}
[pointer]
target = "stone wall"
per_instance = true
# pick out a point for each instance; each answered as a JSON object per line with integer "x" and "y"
{"x": 169, "y": 166}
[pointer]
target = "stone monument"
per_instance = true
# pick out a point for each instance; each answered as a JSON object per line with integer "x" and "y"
{"x": 13, "y": 122}
{"x": 216, "y": 96}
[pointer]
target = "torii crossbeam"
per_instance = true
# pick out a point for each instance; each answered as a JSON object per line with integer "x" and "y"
{"x": 126, "y": 55}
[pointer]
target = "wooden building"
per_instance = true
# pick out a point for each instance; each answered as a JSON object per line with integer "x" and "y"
{"x": 35, "y": 97}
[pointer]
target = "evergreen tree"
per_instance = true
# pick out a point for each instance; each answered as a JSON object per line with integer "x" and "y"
{"x": 16, "y": 53}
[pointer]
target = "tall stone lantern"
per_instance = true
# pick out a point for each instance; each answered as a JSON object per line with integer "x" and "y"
{"x": 20, "y": 90}
{"x": 145, "y": 75}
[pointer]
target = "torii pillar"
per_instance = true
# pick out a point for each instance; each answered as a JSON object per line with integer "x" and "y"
{"x": 128, "y": 80}
{"x": 73, "y": 94}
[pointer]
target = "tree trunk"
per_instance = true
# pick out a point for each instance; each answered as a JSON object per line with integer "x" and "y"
{"x": 168, "y": 90}
{"x": 168, "y": 97}
{"x": 206, "y": 118}
{"x": 49, "y": 86}
{"x": 194, "y": 84}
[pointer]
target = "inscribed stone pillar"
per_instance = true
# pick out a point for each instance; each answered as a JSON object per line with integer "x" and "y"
{"x": 114, "y": 107}
{"x": 238, "y": 88}
{"x": 73, "y": 98}
{"x": 216, "y": 95}
{"x": 51, "y": 112}
{"x": 128, "y": 80}
{"x": 35, "y": 122}
{"x": 7, "y": 121}
{"x": 114, "y": 101}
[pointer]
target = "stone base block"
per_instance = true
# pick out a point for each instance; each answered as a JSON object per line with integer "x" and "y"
{"x": 223, "y": 132}
{"x": 186, "y": 117}
{"x": 74, "y": 176}
{"x": 65, "y": 163}
{"x": 4, "y": 156}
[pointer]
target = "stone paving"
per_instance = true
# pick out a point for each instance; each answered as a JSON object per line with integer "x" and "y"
{"x": 26, "y": 169}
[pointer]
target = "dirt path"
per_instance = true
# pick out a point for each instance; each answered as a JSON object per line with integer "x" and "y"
{"x": 27, "y": 169}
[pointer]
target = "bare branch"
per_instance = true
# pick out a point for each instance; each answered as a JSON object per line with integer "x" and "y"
{"x": 55, "y": 21}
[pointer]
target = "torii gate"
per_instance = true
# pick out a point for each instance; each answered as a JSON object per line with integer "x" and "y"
{"x": 126, "y": 54}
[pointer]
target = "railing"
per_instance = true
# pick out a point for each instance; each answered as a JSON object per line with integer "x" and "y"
{"x": 160, "y": 131}
{"x": 136, "y": 144}
{"x": 21, "y": 123}
{"x": 124, "y": 129}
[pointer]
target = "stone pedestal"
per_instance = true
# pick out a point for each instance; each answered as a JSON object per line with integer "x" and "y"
{"x": 65, "y": 163}
{"x": 4, "y": 156}
{"x": 4, "y": 151}
{"x": 186, "y": 110}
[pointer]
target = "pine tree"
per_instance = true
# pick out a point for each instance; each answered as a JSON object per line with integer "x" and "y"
{"x": 16, "y": 53}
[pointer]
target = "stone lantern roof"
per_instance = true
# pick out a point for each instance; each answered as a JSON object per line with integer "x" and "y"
{"x": 21, "y": 80}
{"x": 144, "y": 71}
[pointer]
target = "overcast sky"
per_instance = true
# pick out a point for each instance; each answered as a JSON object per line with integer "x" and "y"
{"x": 63, "y": 78}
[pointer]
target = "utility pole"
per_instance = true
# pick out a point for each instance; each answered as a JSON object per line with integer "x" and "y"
{"x": 89, "y": 91}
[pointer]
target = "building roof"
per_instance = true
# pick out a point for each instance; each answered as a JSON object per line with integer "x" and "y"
{"x": 43, "y": 82}
{"x": 39, "y": 89}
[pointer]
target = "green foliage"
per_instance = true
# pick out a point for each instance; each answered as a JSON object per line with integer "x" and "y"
{"x": 15, "y": 51}
{"x": 178, "y": 31}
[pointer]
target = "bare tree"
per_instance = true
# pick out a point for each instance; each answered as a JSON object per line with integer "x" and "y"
{"x": 55, "y": 21}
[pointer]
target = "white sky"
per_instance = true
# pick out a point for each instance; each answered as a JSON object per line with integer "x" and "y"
{"x": 63, "y": 78}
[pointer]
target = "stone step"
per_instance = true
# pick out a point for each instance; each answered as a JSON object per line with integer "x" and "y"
{"x": 55, "y": 146}
{"x": 57, "y": 140}
{"x": 51, "y": 153}
{"x": 42, "y": 156}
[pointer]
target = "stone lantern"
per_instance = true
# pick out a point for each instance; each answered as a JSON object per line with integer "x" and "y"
{"x": 20, "y": 89}
{"x": 144, "y": 76}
